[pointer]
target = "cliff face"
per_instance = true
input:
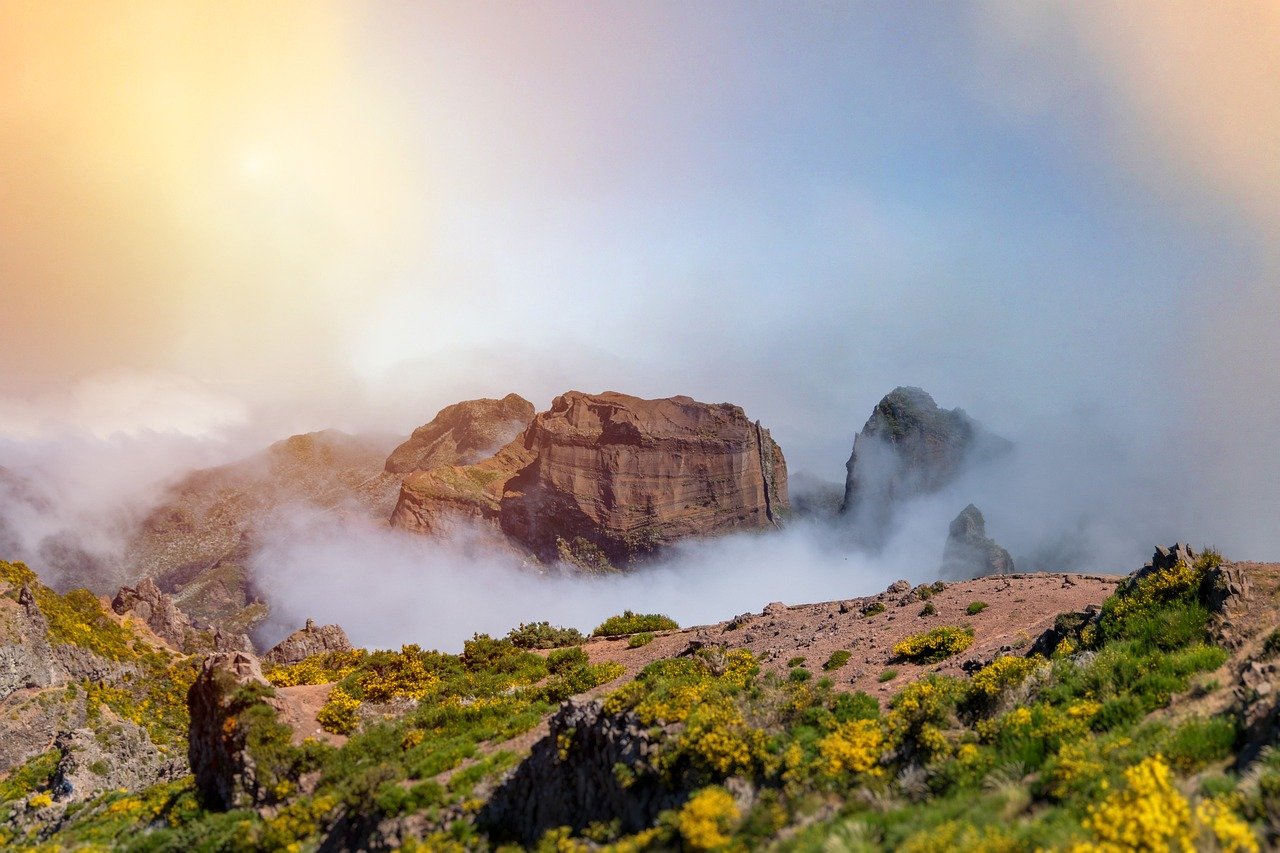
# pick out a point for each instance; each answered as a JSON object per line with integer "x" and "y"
{"x": 908, "y": 447}
{"x": 614, "y": 474}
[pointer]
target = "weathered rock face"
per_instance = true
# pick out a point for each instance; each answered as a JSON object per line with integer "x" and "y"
{"x": 580, "y": 785}
{"x": 129, "y": 761}
{"x": 157, "y": 610}
{"x": 969, "y": 553}
{"x": 908, "y": 447}
{"x": 308, "y": 641}
{"x": 462, "y": 434}
{"x": 222, "y": 711}
{"x": 612, "y": 473}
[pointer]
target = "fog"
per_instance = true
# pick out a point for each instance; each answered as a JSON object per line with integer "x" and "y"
{"x": 1061, "y": 218}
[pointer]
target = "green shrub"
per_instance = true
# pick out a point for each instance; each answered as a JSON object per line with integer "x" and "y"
{"x": 563, "y": 660}
{"x": 799, "y": 674}
{"x": 634, "y": 623}
{"x": 838, "y": 659}
{"x": 873, "y": 608}
{"x": 644, "y": 638}
{"x": 928, "y": 609}
{"x": 1200, "y": 741}
{"x": 544, "y": 635}
{"x": 798, "y": 660}
{"x": 887, "y": 675}
{"x": 975, "y": 607}
{"x": 935, "y": 645}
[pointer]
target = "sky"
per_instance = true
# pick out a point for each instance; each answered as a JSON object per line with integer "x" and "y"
{"x": 227, "y": 222}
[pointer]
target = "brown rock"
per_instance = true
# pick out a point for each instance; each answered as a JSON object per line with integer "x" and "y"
{"x": 157, "y": 610}
{"x": 462, "y": 434}
{"x": 613, "y": 472}
{"x": 308, "y": 641}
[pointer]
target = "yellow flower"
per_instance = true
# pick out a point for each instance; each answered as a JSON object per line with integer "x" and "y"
{"x": 706, "y": 819}
{"x": 853, "y": 747}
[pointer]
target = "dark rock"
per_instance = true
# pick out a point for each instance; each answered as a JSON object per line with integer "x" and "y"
{"x": 571, "y": 778}
{"x": 223, "y": 712}
{"x": 308, "y": 641}
{"x": 969, "y": 553}
{"x": 908, "y": 447}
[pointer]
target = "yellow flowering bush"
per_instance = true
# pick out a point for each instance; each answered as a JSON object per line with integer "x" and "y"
{"x": 1217, "y": 819}
{"x": 338, "y": 714}
{"x": 1148, "y": 814}
{"x": 705, "y": 821}
{"x": 852, "y": 748}
{"x": 1000, "y": 675}
{"x": 934, "y": 645}
{"x": 955, "y": 836}
{"x": 323, "y": 668}
{"x": 403, "y": 675}
{"x": 718, "y": 738}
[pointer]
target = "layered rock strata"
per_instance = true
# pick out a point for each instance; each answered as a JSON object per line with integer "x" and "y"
{"x": 614, "y": 474}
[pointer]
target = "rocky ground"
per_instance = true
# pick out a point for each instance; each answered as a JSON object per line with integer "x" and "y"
{"x": 1019, "y": 608}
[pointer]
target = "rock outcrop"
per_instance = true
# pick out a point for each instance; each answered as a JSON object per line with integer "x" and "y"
{"x": 969, "y": 552}
{"x": 908, "y": 447}
{"x": 611, "y": 474}
{"x": 462, "y": 434}
{"x": 157, "y": 611}
{"x": 571, "y": 778}
{"x": 232, "y": 712}
{"x": 308, "y": 641}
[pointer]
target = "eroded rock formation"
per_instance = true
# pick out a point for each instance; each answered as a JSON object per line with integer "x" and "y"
{"x": 308, "y": 641}
{"x": 908, "y": 447}
{"x": 157, "y": 610}
{"x": 612, "y": 473}
{"x": 232, "y": 712}
{"x": 969, "y": 552}
{"x": 462, "y": 434}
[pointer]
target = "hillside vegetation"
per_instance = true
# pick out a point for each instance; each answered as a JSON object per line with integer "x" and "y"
{"x": 1122, "y": 728}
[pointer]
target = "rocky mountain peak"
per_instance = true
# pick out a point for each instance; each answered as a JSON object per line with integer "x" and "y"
{"x": 462, "y": 434}
{"x": 908, "y": 447}
{"x": 609, "y": 477}
{"x": 969, "y": 552}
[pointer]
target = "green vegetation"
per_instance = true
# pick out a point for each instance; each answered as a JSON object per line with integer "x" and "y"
{"x": 644, "y": 638}
{"x": 975, "y": 607}
{"x": 873, "y": 609}
{"x": 543, "y": 635}
{"x": 634, "y": 623}
{"x": 887, "y": 675}
{"x": 928, "y": 609}
{"x": 1073, "y": 752}
{"x": 838, "y": 659}
{"x": 798, "y": 660}
{"x": 935, "y": 645}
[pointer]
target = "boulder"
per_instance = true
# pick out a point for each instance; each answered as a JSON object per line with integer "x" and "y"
{"x": 308, "y": 641}
{"x": 969, "y": 552}
{"x": 908, "y": 447}
{"x": 462, "y": 434}
{"x": 613, "y": 474}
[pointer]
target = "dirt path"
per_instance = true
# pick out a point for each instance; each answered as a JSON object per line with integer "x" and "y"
{"x": 299, "y": 707}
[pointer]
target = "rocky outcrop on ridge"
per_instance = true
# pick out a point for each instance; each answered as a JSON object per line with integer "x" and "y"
{"x": 969, "y": 552}
{"x": 225, "y": 702}
{"x": 611, "y": 475}
{"x": 308, "y": 641}
{"x": 158, "y": 611}
{"x": 908, "y": 447}
{"x": 462, "y": 434}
